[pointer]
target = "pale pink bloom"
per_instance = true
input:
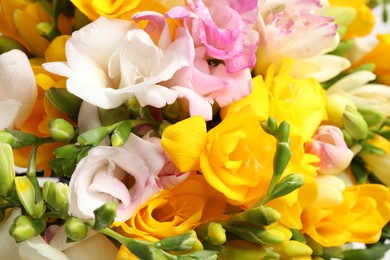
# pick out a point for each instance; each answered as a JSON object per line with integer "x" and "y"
{"x": 329, "y": 145}
{"x": 224, "y": 28}
{"x": 112, "y": 60}
{"x": 18, "y": 90}
{"x": 291, "y": 29}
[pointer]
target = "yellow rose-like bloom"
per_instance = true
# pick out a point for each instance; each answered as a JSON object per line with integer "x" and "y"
{"x": 360, "y": 217}
{"x": 43, "y": 111}
{"x": 301, "y": 102}
{"x": 174, "y": 212}
{"x": 364, "y": 21}
{"x": 116, "y": 9}
{"x": 18, "y": 20}
{"x": 379, "y": 55}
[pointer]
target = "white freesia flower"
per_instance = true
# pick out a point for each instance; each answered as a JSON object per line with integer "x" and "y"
{"x": 111, "y": 60}
{"x": 18, "y": 91}
{"x": 373, "y": 97}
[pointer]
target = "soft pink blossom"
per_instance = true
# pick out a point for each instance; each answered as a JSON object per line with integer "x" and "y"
{"x": 329, "y": 145}
{"x": 224, "y": 28}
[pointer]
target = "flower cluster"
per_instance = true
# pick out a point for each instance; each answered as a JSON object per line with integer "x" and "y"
{"x": 193, "y": 129}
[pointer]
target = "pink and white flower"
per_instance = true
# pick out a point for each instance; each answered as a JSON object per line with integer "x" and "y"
{"x": 18, "y": 91}
{"x": 329, "y": 145}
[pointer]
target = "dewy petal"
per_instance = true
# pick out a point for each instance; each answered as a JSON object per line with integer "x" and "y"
{"x": 37, "y": 248}
{"x": 17, "y": 82}
{"x": 184, "y": 142}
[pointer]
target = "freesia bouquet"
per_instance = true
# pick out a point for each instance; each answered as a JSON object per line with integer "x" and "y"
{"x": 197, "y": 129}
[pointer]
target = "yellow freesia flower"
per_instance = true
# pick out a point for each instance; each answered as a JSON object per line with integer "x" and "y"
{"x": 175, "y": 212}
{"x": 18, "y": 20}
{"x": 364, "y": 21}
{"x": 116, "y": 9}
{"x": 301, "y": 102}
{"x": 360, "y": 217}
{"x": 379, "y": 56}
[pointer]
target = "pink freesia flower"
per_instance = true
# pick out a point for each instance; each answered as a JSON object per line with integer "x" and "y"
{"x": 112, "y": 60}
{"x": 224, "y": 28}
{"x": 291, "y": 29}
{"x": 329, "y": 145}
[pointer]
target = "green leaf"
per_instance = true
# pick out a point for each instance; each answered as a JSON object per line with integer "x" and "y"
{"x": 287, "y": 185}
{"x": 22, "y": 139}
{"x": 200, "y": 255}
{"x": 177, "y": 243}
{"x": 64, "y": 101}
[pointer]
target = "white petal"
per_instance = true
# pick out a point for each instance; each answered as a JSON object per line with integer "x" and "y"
{"x": 37, "y": 249}
{"x": 9, "y": 109}
{"x": 197, "y": 104}
{"x": 17, "y": 82}
{"x": 8, "y": 246}
{"x": 156, "y": 96}
{"x": 60, "y": 68}
{"x": 353, "y": 81}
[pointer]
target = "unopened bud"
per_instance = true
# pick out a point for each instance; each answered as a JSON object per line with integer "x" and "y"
{"x": 240, "y": 249}
{"x": 248, "y": 232}
{"x": 61, "y": 130}
{"x": 262, "y": 215}
{"x": 273, "y": 236}
{"x": 22, "y": 229}
{"x": 44, "y": 28}
{"x": 75, "y": 229}
{"x": 354, "y": 123}
{"x": 7, "y": 170}
{"x": 94, "y": 136}
{"x": 335, "y": 107}
{"x": 287, "y": 185}
{"x": 282, "y": 157}
{"x": 133, "y": 106}
{"x": 56, "y": 195}
{"x": 296, "y": 249}
{"x": 105, "y": 215}
{"x": 172, "y": 112}
{"x": 212, "y": 232}
{"x": 6, "y": 137}
{"x": 177, "y": 243}
{"x": 26, "y": 194}
{"x": 283, "y": 134}
{"x": 121, "y": 134}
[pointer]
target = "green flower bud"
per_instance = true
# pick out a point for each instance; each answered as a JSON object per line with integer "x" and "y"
{"x": 61, "y": 130}
{"x": 283, "y": 133}
{"x": 239, "y": 249}
{"x": 133, "y": 106}
{"x": 282, "y": 157}
{"x": 45, "y": 28}
{"x": 75, "y": 229}
{"x": 121, "y": 134}
{"x": 6, "y": 137}
{"x": 7, "y": 171}
{"x": 56, "y": 195}
{"x": 94, "y": 136}
{"x": 105, "y": 215}
{"x": 272, "y": 236}
{"x": 270, "y": 126}
{"x": 354, "y": 123}
{"x": 172, "y": 112}
{"x": 26, "y": 194}
{"x": 200, "y": 255}
{"x": 248, "y": 232}
{"x": 335, "y": 107}
{"x": 178, "y": 243}
{"x": 212, "y": 232}
{"x": 296, "y": 249}
{"x": 262, "y": 215}
{"x": 287, "y": 185}
{"x": 22, "y": 229}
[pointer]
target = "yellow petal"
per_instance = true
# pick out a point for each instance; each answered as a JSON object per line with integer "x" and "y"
{"x": 184, "y": 141}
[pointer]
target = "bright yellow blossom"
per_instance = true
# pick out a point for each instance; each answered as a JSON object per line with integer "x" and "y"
{"x": 116, "y": 9}
{"x": 364, "y": 21}
{"x": 360, "y": 217}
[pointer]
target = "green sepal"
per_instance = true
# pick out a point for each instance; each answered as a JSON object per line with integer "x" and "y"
{"x": 178, "y": 243}
{"x": 287, "y": 185}
{"x": 64, "y": 101}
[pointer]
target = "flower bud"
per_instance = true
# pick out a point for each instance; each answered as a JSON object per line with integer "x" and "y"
{"x": 177, "y": 243}
{"x": 94, "y": 136}
{"x": 240, "y": 249}
{"x": 75, "y": 229}
{"x": 273, "y": 235}
{"x": 354, "y": 123}
{"x": 6, "y": 137}
{"x": 133, "y": 106}
{"x": 248, "y": 232}
{"x": 282, "y": 157}
{"x": 287, "y": 185}
{"x": 61, "y": 130}
{"x": 335, "y": 107}
{"x": 270, "y": 126}
{"x": 294, "y": 249}
{"x": 283, "y": 134}
{"x": 22, "y": 229}
{"x": 262, "y": 215}
{"x": 26, "y": 194}
{"x": 121, "y": 134}
{"x": 172, "y": 112}
{"x": 328, "y": 144}
{"x": 105, "y": 215}
{"x": 56, "y": 195}
{"x": 212, "y": 232}
{"x": 7, "y": 171}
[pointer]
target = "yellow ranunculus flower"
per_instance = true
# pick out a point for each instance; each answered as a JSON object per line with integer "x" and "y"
{"x": 301, "y": 102}
{"x": 174, "y": 212}
{"x": 360, "y": 217}
{"x": 116, "y": 9}
{"x": 18, "y": 20}
{"x": 378, "y": 56}
{"x": 364, "y": 21}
